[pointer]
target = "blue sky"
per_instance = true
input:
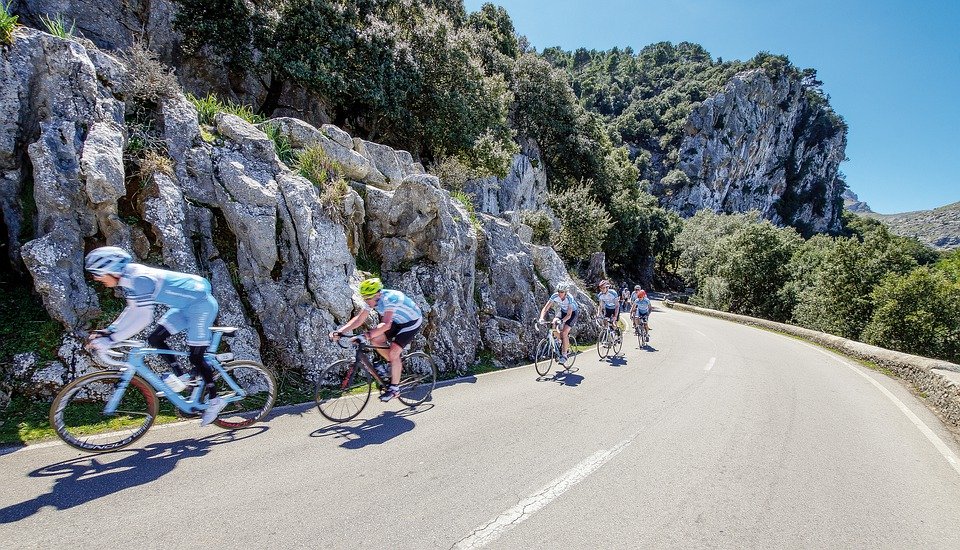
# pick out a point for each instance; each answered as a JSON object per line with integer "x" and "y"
{"x": 891, "y": 68}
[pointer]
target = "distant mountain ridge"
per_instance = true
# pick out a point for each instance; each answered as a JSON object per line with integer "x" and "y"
{"x": 939, "y": 227}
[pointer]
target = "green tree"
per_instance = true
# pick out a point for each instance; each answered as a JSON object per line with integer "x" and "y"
{"x": 749, "y": 269}
{"x": 917, "y": 313}
{"x": 584, "y": 223}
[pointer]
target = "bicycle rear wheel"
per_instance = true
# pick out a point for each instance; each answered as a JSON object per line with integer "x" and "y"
{"x": 77, "y": 413}
{"x": 342, "y": 390}
{"x": 417, "y": 379}
{"x": 603, "y": 343}
{"x": 644, "y": 337}
{"x": 617, "y": 340}
{"x": 543, "y": 358}
{"x": 572, "y": 352}
{"x": 261, "y": 386}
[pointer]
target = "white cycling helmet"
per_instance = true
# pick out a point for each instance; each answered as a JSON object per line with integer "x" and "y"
{"x": 562, "y": 287}
{"x": 107, "y": 260}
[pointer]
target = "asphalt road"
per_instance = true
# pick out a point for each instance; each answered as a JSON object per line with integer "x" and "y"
{"x": 717, "y": 436}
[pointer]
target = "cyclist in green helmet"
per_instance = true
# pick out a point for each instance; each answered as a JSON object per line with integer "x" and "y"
{"x": 400, "y": 321}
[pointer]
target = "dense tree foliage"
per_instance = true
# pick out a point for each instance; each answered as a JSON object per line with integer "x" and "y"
{"x": 869, "y": 285}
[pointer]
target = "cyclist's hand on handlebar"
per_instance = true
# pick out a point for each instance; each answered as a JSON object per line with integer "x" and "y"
{"x": 101, "y": 343}
{"x": 334, "y": 336}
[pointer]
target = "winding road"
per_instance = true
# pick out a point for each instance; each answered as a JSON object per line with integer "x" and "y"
{"x": 717, "y": 436}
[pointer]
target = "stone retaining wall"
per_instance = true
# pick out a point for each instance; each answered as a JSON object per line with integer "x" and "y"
{"x": 938, "y": 380}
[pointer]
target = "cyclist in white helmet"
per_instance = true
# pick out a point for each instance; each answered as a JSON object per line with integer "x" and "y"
{"x": 191, "y": 308}
{"x": 400, "y": 321}
{"x": 567, "y": 310}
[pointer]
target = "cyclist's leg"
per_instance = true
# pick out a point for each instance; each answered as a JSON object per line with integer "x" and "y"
{"x": 158, "y": 340}
{"x": 565, "y": 333}
{"x": 400, "y": 335}
{"x": 201, "y": 315}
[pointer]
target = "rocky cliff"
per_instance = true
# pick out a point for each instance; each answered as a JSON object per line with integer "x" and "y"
{"x": 761, "y": 144}
{"x": 220, "y": 202}
{"x": 939, "y": 228}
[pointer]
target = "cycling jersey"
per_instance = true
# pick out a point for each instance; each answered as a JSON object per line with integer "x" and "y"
{"x": 404, "y": 309}
{"x": 609, "y": 299}
{"x": 642, "y": 304}
{"x": 566, "y": 303}
{"x": 192, "y": 307}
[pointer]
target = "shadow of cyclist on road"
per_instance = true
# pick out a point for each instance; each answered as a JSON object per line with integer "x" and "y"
{"x": 374, "y": 431}
{"x": 567, "y": 378}
{"x": 617, "y": 360}
{"x": 84, "y": 479}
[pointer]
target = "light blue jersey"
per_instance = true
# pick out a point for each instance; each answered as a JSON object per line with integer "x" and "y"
{"x": 643, "y": 304}
{"x": 609, "y": 298}
{"x": 149, "y": 285}
{"x": 404, "y": 309}
{"x": 566, "y": 303}
{"x": 192, "y": 307}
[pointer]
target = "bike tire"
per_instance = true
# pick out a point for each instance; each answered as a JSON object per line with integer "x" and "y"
{"x": 77, "y": 416}
{"x": 543, "y": 359}
{"x": 618, "y": 341}
{"x": 261, "y": 386}
{"x": 603, "y": 343}
{"x": 572, "y": 352}
{"x": 343, "y": 390}
{"x": 645, "y": 337}
{"x": 417, "y": 378}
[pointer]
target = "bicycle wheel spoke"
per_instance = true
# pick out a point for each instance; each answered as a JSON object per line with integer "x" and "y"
{"x": 342, "y": 390}
{"x": 417, "y": 379}
{"x": 542, "y": 358}
{"x": 260, "y": 386}
{"x": 79, "y": 418}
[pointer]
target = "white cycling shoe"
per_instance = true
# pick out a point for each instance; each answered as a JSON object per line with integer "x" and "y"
{"x": 214, "y": 406}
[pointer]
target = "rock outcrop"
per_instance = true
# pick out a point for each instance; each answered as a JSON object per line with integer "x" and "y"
{"x": 762, "y": 144}
{"x": 280, "y": 255}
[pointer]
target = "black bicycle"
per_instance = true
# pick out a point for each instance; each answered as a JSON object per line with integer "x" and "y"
{"x": 343, "y": 388}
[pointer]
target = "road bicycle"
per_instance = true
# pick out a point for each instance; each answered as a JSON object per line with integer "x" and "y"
{"x": 109, "y": 409}
{"x": 343, "y": 388}
{"x": 548, "y": 350}
{"x": 611, "y": 337}
{"x": 640, "y": 329}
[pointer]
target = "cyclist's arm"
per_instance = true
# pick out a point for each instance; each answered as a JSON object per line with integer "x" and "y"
{"x": 385, "y": 323}
{"x": 355, "y": 322}
{"x": 543, "y": 312}
{"x": 139, "y": 311}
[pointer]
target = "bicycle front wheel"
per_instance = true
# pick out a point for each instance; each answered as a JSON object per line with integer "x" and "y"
{"x": 417, "y": 379}
{"x": 543, "y": 358}
{"x": 342, "y": 390}
{"x": 258, "y": 382}
{"x": 603, "y": 343}
{"x": 77, "y": 413}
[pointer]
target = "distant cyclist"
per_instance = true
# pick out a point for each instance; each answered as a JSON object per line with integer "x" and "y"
{"x": 400, "y": 321}
{"x": 640, "y": 308}
{"x": 191, "y": 308}
{"x": 567, "y": 310}
{"x": 609, "y": 301}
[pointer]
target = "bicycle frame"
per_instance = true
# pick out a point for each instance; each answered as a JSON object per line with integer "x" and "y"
{"x": 362, "y": 358}
{"x": 134, "y": 366}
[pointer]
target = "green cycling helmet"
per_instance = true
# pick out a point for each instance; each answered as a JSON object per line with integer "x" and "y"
{"x": 370, "y": 287}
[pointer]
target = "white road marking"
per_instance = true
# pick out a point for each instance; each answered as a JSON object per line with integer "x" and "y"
{"x": 924, "y": 429}
{"x": 516, "y": 515}
{"x": 713, "y": 361}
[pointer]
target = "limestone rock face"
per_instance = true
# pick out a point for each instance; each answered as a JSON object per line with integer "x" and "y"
{"x": 524, "y": 188}
{"x": 762, "y": 144}
{"x": 427, "y": 247}
{"x": 509, "y": 295}
{"x": 281, "y": 261}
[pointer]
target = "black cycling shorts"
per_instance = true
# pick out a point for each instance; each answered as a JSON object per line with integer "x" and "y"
{"x": 573, "y": 318}
{"x": 402, "y": 334}
{"x": 610, "y": 312}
